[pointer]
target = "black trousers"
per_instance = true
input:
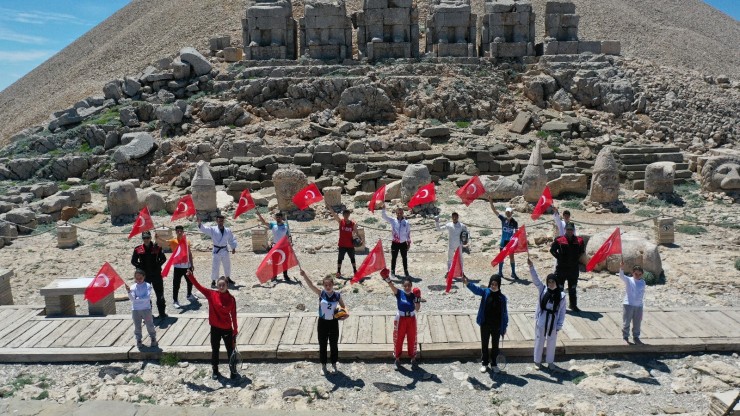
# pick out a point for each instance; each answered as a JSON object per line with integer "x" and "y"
{"x": 158, "y": 286}
{"x": 403, "y": 248}
{"x": 350, "y": 251}
{"x": 328, "y": 331}
{"x": 571, "y": 276}
{"x": 218, "y": 334}
{"x": 489, "y": 333}
{"x": 177, "y": 277}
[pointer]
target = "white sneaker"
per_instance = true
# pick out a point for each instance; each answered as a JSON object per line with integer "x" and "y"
{"x": 483, "y": 368}
{"x": 334, "y": 369}
{"x": 324, "y": 371}
{"x": 176, "y": 305}
{"x": 192, "y": 298}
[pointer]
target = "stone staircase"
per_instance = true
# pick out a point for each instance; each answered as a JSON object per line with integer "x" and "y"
{"x": 633, "y": 160}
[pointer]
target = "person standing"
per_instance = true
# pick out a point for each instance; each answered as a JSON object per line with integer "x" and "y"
{"x": 457, "y": 236}
{"x": 493, "y": 318}
{"x": 561, "y": 223}
{"x": 222, "y": 318}
{"x": 508, "y": 227}
{"x": 140, "y": 295}
{"x": 279, "y": 229}
{"x": 328, "y": 326}
{"x": 401, "y": 231}
{"x": 222, "y": 238}
{"x": 149, "y": 258}
{"x": 347, "y": 233}
{"x": 404, "y": 324}
{"x": 549, "y": 317}
{"x": 633, "y": 302}
{"x": 179, "y": 269}
{"x": 567, "y": 250}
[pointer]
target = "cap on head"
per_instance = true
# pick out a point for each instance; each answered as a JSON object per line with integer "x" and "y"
{"x": 509, "y": 209}
{"x": 570, "y": 226}
{"x": 146, "y": 234}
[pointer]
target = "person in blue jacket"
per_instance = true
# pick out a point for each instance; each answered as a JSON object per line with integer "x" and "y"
{"x": 493, "y": 318}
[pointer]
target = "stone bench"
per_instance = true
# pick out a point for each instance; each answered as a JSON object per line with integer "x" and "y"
{"x": 59, "y": 297}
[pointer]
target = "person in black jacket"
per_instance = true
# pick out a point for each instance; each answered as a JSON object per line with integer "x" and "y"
{"x": 149, "y": 257}
{"x": 567, "y": 250}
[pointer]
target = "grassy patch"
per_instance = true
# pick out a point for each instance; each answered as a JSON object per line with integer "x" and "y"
{"x": 43, "y": 395}
{"x": 546, "y": 133}
{"x": 85, "y": 148}
{"x": 578, "y": 379}
{"x": 690, "y": 229}
{"x": 142, "y": 398}
{"x": 435, "y": 122}
{"x": 64, "y": 186}
{"x": 571, "y": 204}
{"x": 370, "y": 220}
{"x": 644, "y": 212}
{"x": 651, "y": 279}
{"x": 133, "y": 379}
{"x": 570, "y": 196}
{"x": 657, "y": 203}
{"x": 485, "y": 233}
{"x": 737, "y": 263}
{"x": 109, "y": 116}
{"x": 496, "y": 401}
{"x": 462, "y": 124}
{"x": 20, "y": 382}
{"x": 452, "y": 201}
{"x": 169, "y": 359}
{"x": 80, "y": 218}
{"x": 201, "y": 373}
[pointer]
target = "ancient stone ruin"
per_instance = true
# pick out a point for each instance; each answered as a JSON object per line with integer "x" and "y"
{"x": 269, "y": 30}
{"x": 507, "y": 29}
{"x": 325, "y": 30}
{"x": 451, "y": 29}
{"x": 387, "y": 29}
{"x": 561, "y": 33}
{"x": 721, "y": 174}
{"x": 605, "y": 180}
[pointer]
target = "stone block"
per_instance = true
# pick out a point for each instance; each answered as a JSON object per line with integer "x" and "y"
{"x": 589, "y": 46}
{"x": 6, "y": 294}
{"x": 333, "y": 195}
{"x": 521, "y": 122}
{"x": 568, "y": 48}
{"x": 66, "y": 236}
{"x": 560, "y": 7}
{"x": 232, "y": 54}
{"x": 219, "y": 43}
{"x": 611, "y": 47}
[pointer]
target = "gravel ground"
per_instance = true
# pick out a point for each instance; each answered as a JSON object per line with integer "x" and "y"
{"x": 636, "y": 385}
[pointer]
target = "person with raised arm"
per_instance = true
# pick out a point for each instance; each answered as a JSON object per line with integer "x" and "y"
{"x": 401, "y": 239}
{"x": 279, "y": 229}
{"x": 492, "y": 318}
{"x": 633, "y": 302}
{"x": 404, "y": 324}
{"x": 508, "y": 227}
{"x": 347, "y": 234}
{"x": 549, "y": 316}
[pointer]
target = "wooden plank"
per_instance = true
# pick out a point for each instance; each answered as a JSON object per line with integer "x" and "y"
{"x": 78, "y": 326}
{"x": 603, "y": 325}
{"x": 525, "y": 327}
{"x": 438, "y": 334}
{"x": 306, "y": 330}
{"x": 187, "y": 333}
{"x": 93, "y": 326}
{"x": 55, "y": 355}
{"x": 651, "y": 328}
{"x": 350, "y": 330}
{"x": 174, "y": 330}
{"x": 612, "y": 346}
{"x": 582, "y": 325}
{"x": 673, "y": 325}
{"x": 107, "y": 327}
{"x": 733, "y": 314}
{"x": 513, "y": 332}
{"x": 122, "y": 332}
{"x": 61, "y": 328}
{"x": 17, "y": 319}
{"x": 451, "y": 328}
{"x": 247, "y": 329}
{"x": 276, "y": 332}
{"x": 291, "y": 329}
{"x": 722, "y": 320}
{"x": 379, "y": 329}
{"x": 31, "y": 342}
{"x": 34, "y": 328}
{"x": 697, "y": 326}
{"x": 263, "y": 329}
{"x": 23, "y": 328}
{"x": 203, "y": 335}
{"x": 390, "y": 328}
{"x": 365, "y": 330}
{"x": 467, "y": 331}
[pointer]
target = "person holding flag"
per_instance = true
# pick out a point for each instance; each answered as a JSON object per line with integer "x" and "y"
{"x": 222, "y": 318}
{"x": 328, "y": 325}
{"x": 401, "y": 233}
{"x": 508, "y": 227}
{"x": 222, "y": 238}
{"x": 404, "y": 324}
{"x": 140, "y": 295}
{"x": 567, "y": 250}
{"x": 149, "y": 258}
{"x": 561, "y": 223}
{"x": 549, "y": 316}
{"x": 633, "y": 301}
{"x": 375, "y": 261}
{"x": 347, "y": 233}
{"x": 492, "y": 318}
{"x": 279, "y": 229}
{"x": 457, "y": 236}
{"x": 179, "y": 269}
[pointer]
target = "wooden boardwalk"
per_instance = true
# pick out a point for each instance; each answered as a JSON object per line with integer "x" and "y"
{"x": 28, "y": 336}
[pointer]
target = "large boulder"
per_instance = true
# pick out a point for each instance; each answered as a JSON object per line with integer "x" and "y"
{"x": 287, "y": 182}
{"x": 572, "y": 183}
{"x": 24, "y": 218}
{"x": 8, "y": 232}
{"x": 414, "y": 177}
{"x": 534, "y": 177}
{"x": 123, "y": 203}
{"x": 69, "y": 167}
{"x": 539, "y": 89}
{"x": 636, "y": 250}
{"x": 204, "y": 189}
{"x": 139, "y": 144}
{"x": 365, "y": 103}
{"x": 170, "y": 114}
{"x": 42, "y": 190}
{"x": 200, "y": 64}
{"x": 659, "y": 177}
{"x": 500, "y": 187}
{"x": 605, "y": 180}
{"x": 152, "y": 199}
{"x": 55, "y": 203}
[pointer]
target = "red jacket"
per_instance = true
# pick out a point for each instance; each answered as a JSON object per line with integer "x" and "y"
{"x": 221, "y": 307}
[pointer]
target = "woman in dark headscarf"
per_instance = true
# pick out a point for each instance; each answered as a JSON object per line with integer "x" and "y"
{"x": 549, "y": 318}
{"x": 493, "y": 318}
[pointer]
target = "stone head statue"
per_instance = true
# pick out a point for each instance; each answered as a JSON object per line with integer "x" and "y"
{"x": 721, "y": 174}
{"x": 605, "y": 180}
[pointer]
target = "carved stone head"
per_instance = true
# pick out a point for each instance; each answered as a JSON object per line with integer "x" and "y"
{"x": 721, "y": 174}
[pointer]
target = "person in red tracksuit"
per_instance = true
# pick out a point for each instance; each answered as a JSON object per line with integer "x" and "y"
{"x": 222, "y": 317}
{"x": 405, "y": 322}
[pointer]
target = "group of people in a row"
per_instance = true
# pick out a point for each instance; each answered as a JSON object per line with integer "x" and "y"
{"x": 492, "y": 315}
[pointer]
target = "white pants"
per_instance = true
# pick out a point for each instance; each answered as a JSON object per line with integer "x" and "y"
{"x": 539, "y": 343}
{"x": 218, "y": 258}
{"x": 450, "y": 254}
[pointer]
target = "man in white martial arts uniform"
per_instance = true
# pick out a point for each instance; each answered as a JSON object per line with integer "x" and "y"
{"x": 456, "y": 238}
{"x": 222, "y": 238}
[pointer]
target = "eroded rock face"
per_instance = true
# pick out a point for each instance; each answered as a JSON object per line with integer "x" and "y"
{"x": 364, "y": 103}
{"x": 534, "y": 177}
{"x": 501, "y": 187}
{"x": 636, "y": 250}
{"x": 287, "y": 182}
{"x": 605, "y": 180}
{"x": 721, "y": 174}
{"x": 123, "y": 203}
{"x": 659, "y": 177}
{"x": 414, "y": 177}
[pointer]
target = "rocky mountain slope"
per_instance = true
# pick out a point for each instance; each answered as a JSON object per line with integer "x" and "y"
{"x": 689, "y": 34}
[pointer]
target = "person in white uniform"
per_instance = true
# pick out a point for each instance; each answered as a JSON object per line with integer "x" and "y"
{"x": 549, "y": 317}
{"x": 222, "y": 238}
{"x": 456, "y": 238}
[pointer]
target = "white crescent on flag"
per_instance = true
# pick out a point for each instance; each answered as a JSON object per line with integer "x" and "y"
{"x": 424, "y": 193}
{"x": 177, "y": 252}
{"x": 373, "y": 257}
{"x": 282, "y": 257}
{"x": 182, "y": 207}
{"x": 514, "y": 241}
{"x": 104, "y": 277}
{"x": 543, "y": 200}
{"x": 313, "y": 194}
{"x": 140, "y": 222}
{"x": 608, "y": 245}
{"x": 472, "y": 189}
{"x": 243, "y": 202}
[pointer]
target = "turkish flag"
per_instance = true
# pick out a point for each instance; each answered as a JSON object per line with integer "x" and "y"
{"x": 378, "y": 196}
{"x": 542, "y": 205}
{"x": 103, "y": 284}
{"x": 612, "y": 245}
{"x": 185, "y": 208}
{"x": 471, "y": 190}
{"x": 375, "y": 261}
{"x": 246, "y": 203}
{"x": 307, "y": 196}
{"x": 517, "y": 244}
{"x": 179, "y": 256}
{"x": 455, "y": 269}
{"x": 425, "y": 195}
{"x": 143, "y": 223}
{"x": 279, "y": 259}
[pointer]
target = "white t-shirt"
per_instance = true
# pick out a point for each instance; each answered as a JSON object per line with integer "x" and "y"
{"x": 328, "y": 304}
